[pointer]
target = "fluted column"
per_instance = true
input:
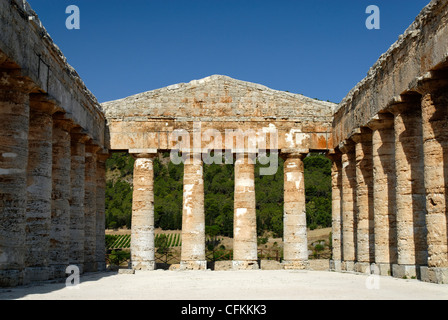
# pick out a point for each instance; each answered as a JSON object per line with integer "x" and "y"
{"x": 193, "y": 216}
{"x": 348, "y": 205}
{"x": 14, "y": 113}
{"x": 410, "y": 190}
{"x": 245, "y": 251}
{"x": 77, "y": 182}
{"x": 336, "y": 213}
{"x": 100, "y": 251}
{"x": 90, "y": 208}
{"x": 435, "y": 146}
{"x": 142, "y": 234}
{"x": 61, "y": 194}
{"x": 39, "y": 188}
{"x": 383, "y": 157}
{"x": 365, "y": 253}
{"x": 295, "y": 244}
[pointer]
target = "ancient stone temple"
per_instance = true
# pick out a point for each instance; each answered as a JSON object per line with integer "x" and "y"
{"x": 199, "y": 120}
{"x": 387, "y": 141}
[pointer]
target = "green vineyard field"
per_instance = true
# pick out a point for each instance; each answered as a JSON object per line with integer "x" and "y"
{"x": 124, "y": 241}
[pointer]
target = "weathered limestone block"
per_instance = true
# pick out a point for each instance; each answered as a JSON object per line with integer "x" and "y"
{"x": 245, "y": 251}
{"x": 193, "y": 216}
{"x": 348, "y": 205}
{"x": 295, "y": 245}
{"x": 383, "y": 157}
{"x": 435, "y": 146}
{"x": 100, "y": 251}
{"x": 142, "y": 237}
{"x": 39, "y": 188}
{"x": 61, "y": 195}
{"x": 77, "y": 181}
{"x": 364, "y": 201}
{"x": 410, "y": 190}
{"x": 90, "y": 208}
{"x": 14, "y": 112}
{"x": 336, "y": 214}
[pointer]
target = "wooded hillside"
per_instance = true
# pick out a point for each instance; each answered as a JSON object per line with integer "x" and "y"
{"x": 219, "y": 188}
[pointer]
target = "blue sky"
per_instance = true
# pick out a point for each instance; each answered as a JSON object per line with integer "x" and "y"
{"x": 318, "y": 48}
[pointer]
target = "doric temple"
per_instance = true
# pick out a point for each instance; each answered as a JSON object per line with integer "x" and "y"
{"x": 387, "y": 140}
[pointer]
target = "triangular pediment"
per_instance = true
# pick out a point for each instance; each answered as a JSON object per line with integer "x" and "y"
{"x": 216, "y": 96}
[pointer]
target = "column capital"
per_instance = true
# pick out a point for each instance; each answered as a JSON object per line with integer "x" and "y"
{"x": 102, "y": 155}
{"x": 403, "y": 103}
{"x": 44, "y": 103}
{"x": 334, "y": 154}
{"x": 346, "y": 146}
{"x": 144, "y": 155}
{"x": 381, "y": 121}
{"x": 13, "y": 79}
{"x": 61, "y": 122}
{"x": 431, "y": 82}
{"x": 361, "y": 134}
{"x": 294, "y": 153}
{"x": 79, "y": 135}
{"x": 92, "y": 148}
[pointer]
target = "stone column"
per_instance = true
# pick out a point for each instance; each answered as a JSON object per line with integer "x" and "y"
{"x": 348, "y": 205}
{"x": 336, "y": 213}
{"x": 435, "y": 146}
{"x": 383, "y": 157}
{"x": 39, "y": 188}
{"x": 77, "y": 181}
{"x": 193, "y": 216}
{"x": 245, "y": 250}
{"x": 90, "y": 208}
{"x": 295, "y": 244}
{"x": 365, "y": 237}
{"x": 14, "y": 113}
{"x": 61, "y": 194}
{"x": 410, "y": 190}
{"x": 100, "y": 251}
{"x": 142, "y": 234}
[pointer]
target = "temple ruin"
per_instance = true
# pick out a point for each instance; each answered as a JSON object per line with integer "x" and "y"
{"x": 387, "y": 140}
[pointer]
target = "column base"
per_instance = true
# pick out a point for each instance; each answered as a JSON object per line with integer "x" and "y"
{"x": 296, "y": 265}
{"x": 348, "y": 266}
{"x": 245, "y": 265}
{"x": 382, "y": 269}
{"x": 11, "y": 278}
{"x": 58, "y": 271}
{"x": 434, "y": 275}
{"x": 336, "y": 265}
{"x": 405, "y": 271}
{"x": 90, "y": 267}
{"x": 36, "y": 274}
{"x": 144, "y": 266}
{"x": 362, "y": 267}
{"x": 101, "y": 266}
{"x": 193, "y": 265}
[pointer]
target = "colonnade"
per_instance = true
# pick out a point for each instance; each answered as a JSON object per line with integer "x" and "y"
{"x": 52, "y": 188}
{"x": 245, "y": 253}
{"x": 389, "y": 182}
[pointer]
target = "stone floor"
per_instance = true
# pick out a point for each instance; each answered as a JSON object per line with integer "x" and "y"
{"x": 230, "y": 285}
